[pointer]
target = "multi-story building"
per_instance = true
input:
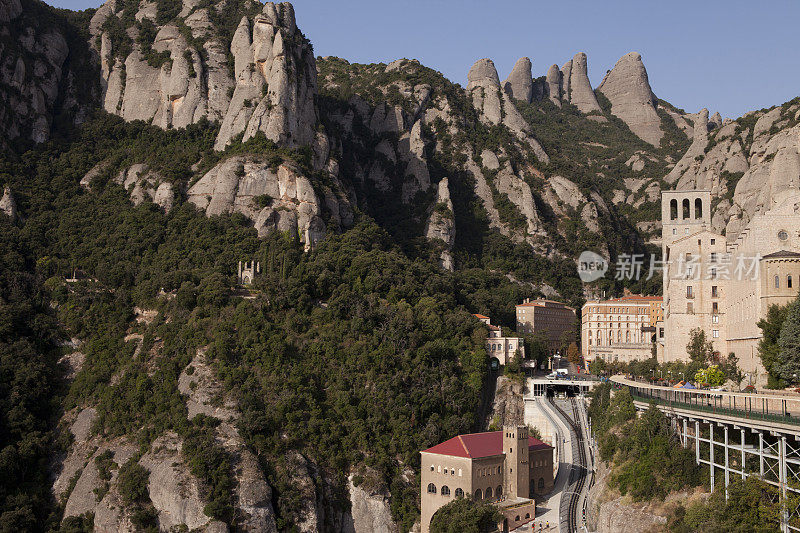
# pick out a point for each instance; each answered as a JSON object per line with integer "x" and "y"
{"x": 723, "y": 287}
{"x": 553, "y": 321}
{"x": 505, "y": 467}
{"x": 501, "y": 348}
{"x": 620, "y": 329}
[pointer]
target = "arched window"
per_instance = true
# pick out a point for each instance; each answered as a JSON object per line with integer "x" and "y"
{"x": 478, "y": 494}
{"x": 431, "y": 488}
{"x": 777, "y": 282}
{"x": 499, "y": 491}
{"x": 698, "y": 208}
{"x": 541, "y": 483}
{"x": 445, "y": 490}
{"x": 489, "y": 493}
{"x": 459, "y": 493}
{"x": 673, "y": 209}
{"x": 527, "y": 515}
{"x": 516, "y": 518}
{"x": 686, "y": 208}
{"x": 628, "y": 336}
{"x": 789, "y": 281}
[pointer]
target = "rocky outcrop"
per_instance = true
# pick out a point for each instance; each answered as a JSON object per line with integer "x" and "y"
{"x": 270, "y": 89}
{"x": 369, "y": 506}
{"x": 279, "y": 198}
{"x": 519, "y": 192}
{"x": 690, "y": 160}
{"x": 577, "y": 89}
{"x": 507, "y": 406}
{"x": 628, "y": 89}
{"x": 142, "y": 184}
{"x": 607, "y": 512}
{"x": 553, "y": 85}
{"x": 252, "y": 494}
{"x": 441, "y": 223}
{"x": 748, "y": 172}
{"x": 8, "y": 205}
{"x": 175, "y": 493}
{"x": 496, "y": 107}
{"x": 36, "y": 78}
{"x": 519, "y": 83}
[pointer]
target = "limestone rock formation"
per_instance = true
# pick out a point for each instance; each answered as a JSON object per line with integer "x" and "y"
{"x": 519, "y": 192}
{"x": 553, "y": 83}
{"x": 36, "y": 77}
{"x": 274, "y": 198}
{"x": 271, "y": 89}
{"x": 519, "y": 83}
{"x": 441, "y": 223}
{"x": 495, "y": 106}
{"x": 577, "y": 89}
{"x": 8, "y": 204}
{"x": 369, "y": 508}
{"x": 697, "y": 149}
{"x": 628, "y": 89}
{"x": 175, "y": 493}
{"x": 142, "y": 183}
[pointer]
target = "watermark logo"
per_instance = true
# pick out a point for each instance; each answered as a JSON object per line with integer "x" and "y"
{"x": 713, "y": 266}
{"x": 591, "y": 266}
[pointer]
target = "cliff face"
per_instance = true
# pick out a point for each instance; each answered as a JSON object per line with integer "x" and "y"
{"x": 748, "y": 164}
{"x": 175, "y": 72}
{"x": 45, "y": 70}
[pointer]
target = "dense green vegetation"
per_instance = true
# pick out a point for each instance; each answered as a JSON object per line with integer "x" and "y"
{"x": 647, "y": 460}
{"x": 747, "y": 506}
{"x": 465, "y": 515}
{"x": 334, "y": 333}
{"x": 779, "y": 349}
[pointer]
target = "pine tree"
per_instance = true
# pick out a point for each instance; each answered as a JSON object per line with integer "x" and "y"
{"x": 787, "y": 367}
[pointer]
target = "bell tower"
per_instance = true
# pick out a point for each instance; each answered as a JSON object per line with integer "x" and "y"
{"x": 516, "y": 479}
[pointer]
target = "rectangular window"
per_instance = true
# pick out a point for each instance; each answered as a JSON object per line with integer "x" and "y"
{"x": 689, "y": 293}
{"x": 690, "y": 308}
{"x": 713, "y": 257}
{"x": 715, "y": 333}
{"x": 713, "y": 241}
{"x": 715, "y": 308}
{"x": 714, "y": 291}
{"x": 715, "y": 319}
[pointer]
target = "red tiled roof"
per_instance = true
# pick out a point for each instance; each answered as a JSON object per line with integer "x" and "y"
{"x": 475, "y": 445}
{"x": 476, "y": 315}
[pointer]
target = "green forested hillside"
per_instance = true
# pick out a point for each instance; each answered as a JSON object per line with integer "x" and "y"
{"x": 355, "y": 353}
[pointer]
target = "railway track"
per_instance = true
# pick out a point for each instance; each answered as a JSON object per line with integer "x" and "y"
{"x": 577, "y": 478}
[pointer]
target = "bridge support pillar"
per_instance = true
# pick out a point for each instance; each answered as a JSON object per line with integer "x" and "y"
{"x": 783, "y": 482}
{"x": 727, "y": 464}
{"x": 685, "y": 438}
{"x": 743, "y": 458}
{"x": 761, "y": 454}
{"x": 711, "y": 452}
{"x": 697, "y": 441}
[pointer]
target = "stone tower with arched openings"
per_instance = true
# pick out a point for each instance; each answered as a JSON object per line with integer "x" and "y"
{"x": 247, "y": 272}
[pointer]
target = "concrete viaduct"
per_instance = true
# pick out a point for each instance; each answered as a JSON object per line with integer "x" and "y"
{"x": 735, "y": 434}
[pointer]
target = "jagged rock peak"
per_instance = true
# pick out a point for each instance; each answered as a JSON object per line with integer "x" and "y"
{"x": 7, "y": 203}
{"x": 519, "y": 83}
{"x": 553, "y": 82}
{"x": 627, "y": 87}
{"x": 482, "y": 72}
{"x": 580, "y": 91}
{"x": 716, "y": 120}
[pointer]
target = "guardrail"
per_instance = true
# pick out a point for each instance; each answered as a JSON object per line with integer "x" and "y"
{"x": 736, "y": 413}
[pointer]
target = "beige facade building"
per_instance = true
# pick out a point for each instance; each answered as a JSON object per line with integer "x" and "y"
{"x": 498, "y": 347}
{"x": 724, "y": 287}
{"x": 506, "y": 467}
{"x": 553, "y": 321}
{"x": 621, "y": 329}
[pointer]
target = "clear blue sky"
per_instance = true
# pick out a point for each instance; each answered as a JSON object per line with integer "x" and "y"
{"x": 730, "y": 56}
